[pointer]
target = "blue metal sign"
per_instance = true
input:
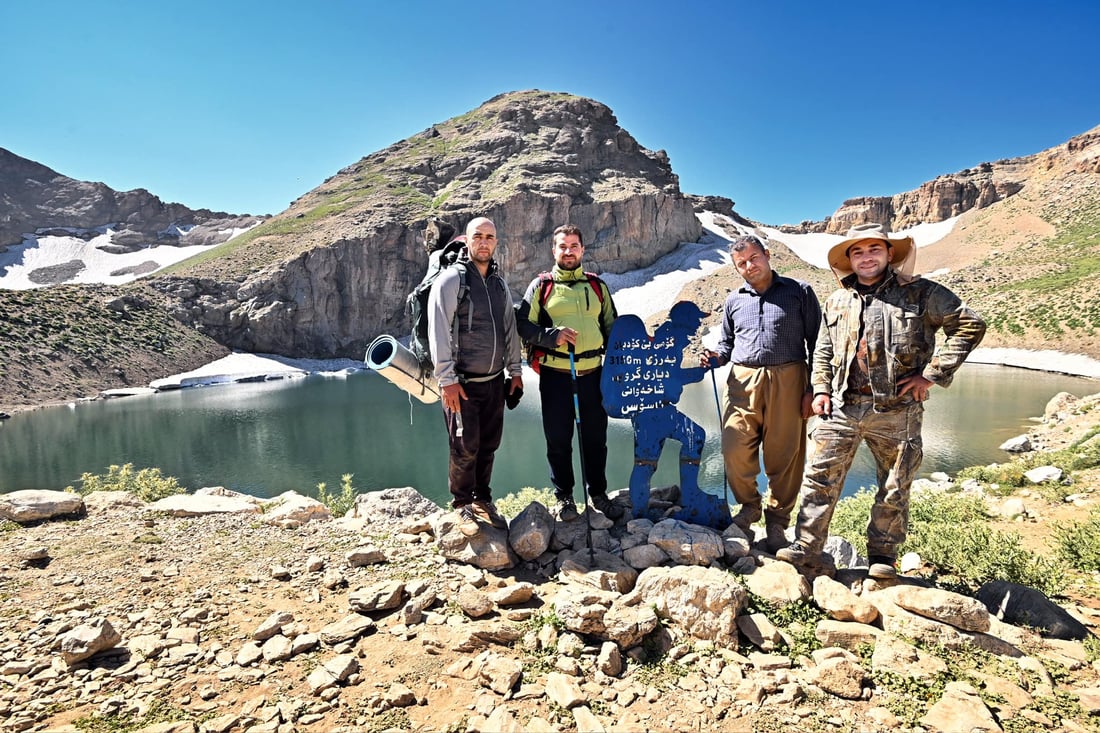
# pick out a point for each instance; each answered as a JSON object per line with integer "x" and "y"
{"x": 642, "y": 380}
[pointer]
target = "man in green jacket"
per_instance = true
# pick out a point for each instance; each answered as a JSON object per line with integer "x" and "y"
{"x": 874, "y": 366}
{"x": 569, "y": 309}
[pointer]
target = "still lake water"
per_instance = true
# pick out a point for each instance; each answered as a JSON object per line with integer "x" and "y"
{"x": 269, "y": 437}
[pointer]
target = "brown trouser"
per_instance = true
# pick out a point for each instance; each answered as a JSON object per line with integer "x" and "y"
{"x": 764, "y": 410}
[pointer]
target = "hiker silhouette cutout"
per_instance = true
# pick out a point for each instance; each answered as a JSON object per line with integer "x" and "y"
{"x": 643, "y": 380}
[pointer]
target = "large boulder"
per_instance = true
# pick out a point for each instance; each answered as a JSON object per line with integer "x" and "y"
{"x": 1023, "y": 606}
{"x": 704, "y": 602}
{"x": 32, "y": 505}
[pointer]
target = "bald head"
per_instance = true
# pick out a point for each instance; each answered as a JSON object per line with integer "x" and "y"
{"x": 481, "y": 242}
{"x": 480, "y": 221}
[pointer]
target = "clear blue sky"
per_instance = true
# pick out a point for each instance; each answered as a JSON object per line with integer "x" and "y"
{"x": 788, "y": 108}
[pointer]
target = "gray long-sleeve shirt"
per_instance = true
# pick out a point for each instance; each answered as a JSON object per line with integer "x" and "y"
{"x": 484, "y": 324}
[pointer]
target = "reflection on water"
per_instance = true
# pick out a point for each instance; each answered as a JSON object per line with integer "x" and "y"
{"x": 270, "y": 437}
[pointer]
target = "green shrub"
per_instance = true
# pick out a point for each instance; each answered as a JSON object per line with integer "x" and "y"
{"x": 952, "y": 532}
{"x": 1078, "y": 543}
{"x": 339, "y": 504}
{"x": 850, "y": 518}
{"x": 512, "y": 504}
{"x": 975, "y": 553}
{"x": 147, "y": 484}
{"x": 157, "y": 712}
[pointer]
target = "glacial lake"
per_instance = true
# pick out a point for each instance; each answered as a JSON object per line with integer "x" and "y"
{"x": 269, "y": 437}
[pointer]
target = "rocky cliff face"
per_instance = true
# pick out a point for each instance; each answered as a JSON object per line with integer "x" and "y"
{"x": 331, "y": 273}
{"x": 936, "y": 200}
{"x": 970, "y": 189}
{"x": 37, "y": 200}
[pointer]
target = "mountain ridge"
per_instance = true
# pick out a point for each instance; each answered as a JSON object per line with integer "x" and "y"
{"x": 35, "y": 198}
{"x": 1023, "y": 252}
{"x": 330, "y": 274}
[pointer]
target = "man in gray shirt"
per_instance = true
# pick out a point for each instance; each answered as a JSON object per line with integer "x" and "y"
{"x": 473, "y": 342}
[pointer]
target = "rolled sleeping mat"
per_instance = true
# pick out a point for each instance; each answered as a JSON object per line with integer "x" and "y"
{"x": 396, "y": 363}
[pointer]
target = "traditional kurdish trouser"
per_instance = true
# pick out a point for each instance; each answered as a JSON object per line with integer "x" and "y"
{"x": 894, "y": 438}
{"x": 481, "y": 417}
{"x": 764, "y": 410}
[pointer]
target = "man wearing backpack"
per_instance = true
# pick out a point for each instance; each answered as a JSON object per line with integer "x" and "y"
{"x": 569, "y": 309}
{"x": 473, "y": 342}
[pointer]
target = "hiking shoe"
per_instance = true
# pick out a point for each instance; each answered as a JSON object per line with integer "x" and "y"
{"x": 604, "y": 505}
{"x": 467, "y": 520}
{"x": 776, "y": 538}
{"x": 567, "y": 509}
{"x": 486, "y": 512}
{"x": 796, "y": 554}
{"x": 881, "y": 567}
{"x": 745, "y": 518}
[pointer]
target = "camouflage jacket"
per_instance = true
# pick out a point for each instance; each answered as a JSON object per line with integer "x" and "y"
{"x": 900, "y": 319}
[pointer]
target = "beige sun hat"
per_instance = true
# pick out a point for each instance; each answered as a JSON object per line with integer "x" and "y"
{"x": 903, "y": 255}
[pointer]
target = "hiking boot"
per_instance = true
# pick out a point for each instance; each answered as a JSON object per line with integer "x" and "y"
{"x": 776, "y": 538}
{"x": 567, "y": 509}
{"x": 881, "y": 567}
{"x": 745, "y": 518}
{"x": 486, "y": 512}
{"x": 467, "y": 520}
{"x": 796, "y": 554}
{"x": 604, "y": 505}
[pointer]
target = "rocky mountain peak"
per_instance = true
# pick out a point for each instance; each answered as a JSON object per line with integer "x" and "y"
{"x": 331, "y": 272}
{"x": 35, "y": 199}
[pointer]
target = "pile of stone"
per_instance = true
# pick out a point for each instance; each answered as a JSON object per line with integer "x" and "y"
{"x": 211, "y": 612}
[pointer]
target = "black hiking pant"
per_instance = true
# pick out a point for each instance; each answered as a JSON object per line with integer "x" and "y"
{"x": 556, "y": 393}
{"x": 472, "y": 452}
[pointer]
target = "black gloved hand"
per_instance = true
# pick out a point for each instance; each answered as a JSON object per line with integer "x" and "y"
{"x": 512, "y": 399}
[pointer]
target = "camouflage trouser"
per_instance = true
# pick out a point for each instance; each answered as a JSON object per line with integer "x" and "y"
{"x": 895, "y": 442}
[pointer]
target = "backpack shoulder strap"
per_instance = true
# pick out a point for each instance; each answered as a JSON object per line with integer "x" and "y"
{"x": 596, "y": 284}
{"x": 463, "y": 287}
{"x": 546, "y": 284}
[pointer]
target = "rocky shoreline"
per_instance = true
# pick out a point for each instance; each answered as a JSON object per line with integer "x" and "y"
{"x": 221, "y": 612}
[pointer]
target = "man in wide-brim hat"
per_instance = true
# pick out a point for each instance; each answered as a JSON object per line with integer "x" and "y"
{"x": 903, "y": 255}
{"x": 874, "y": 365}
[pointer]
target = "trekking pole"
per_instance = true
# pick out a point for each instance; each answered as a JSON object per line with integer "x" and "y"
{"x": 580, "y": 453}
{"x": 718, "y": 406}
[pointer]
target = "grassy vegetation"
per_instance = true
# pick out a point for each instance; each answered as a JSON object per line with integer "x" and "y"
{"x": 952, "y": 532}
{"x": 76, "y": 320}
{"x": 1081, "y": 455}
{"x": 512, "y": 504}
{"x": 1051, "y": 290}
{"x": 339, "y": 504}
{"x": 1078, "y": 543}
{"x": 158, "y": 712}
{"x": 798, "y": 619}
{"x": 148, "y": 484}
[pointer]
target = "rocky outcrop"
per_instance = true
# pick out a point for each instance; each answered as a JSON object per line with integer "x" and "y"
{"x": 936, "y": 200}
{"x": 956, "y": 193}
{"x": 328, "y": 275}
{"x": 36, "y": 200}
